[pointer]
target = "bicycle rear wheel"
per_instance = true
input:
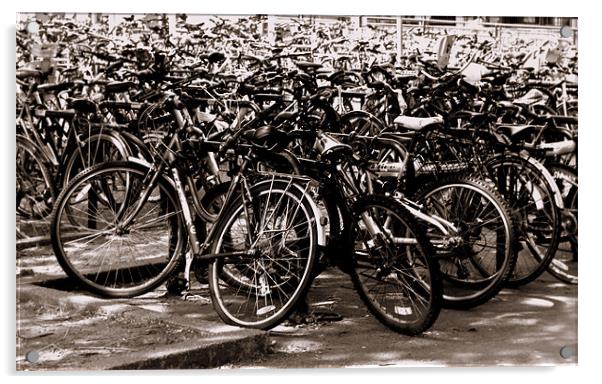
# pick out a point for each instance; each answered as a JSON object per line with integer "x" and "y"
{"x": 392, "y": 267}
{"x": 564, "y": 264}
{"x": 273, "y": 245}
{"x": 477, "y": 255}
{"x": 35, "y": 191}
{"x": 529, "y": 190}
{"x": 97, "y": 248}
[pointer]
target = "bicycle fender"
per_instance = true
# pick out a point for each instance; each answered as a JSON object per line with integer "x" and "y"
{"x": 314, "y": 207}
{"x": 549, "y": 178}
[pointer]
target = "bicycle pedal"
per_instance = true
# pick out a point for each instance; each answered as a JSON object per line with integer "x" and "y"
{"x": 176, "y": 285}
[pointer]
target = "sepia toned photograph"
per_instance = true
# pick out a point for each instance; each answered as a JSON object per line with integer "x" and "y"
{"x": 219, "y": 191}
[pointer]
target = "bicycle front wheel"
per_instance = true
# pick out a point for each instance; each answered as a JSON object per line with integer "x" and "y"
{"x": 268, "y": 248}
{"x": 96, "y": 245}
{"x": 393, "y": 269}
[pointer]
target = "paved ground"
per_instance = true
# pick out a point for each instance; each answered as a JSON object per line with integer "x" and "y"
{"x": 518, "y": 327}
{"x": 73, "y": 330}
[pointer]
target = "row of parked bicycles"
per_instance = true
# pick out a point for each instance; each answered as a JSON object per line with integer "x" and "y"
{"x": 254, "y": 174}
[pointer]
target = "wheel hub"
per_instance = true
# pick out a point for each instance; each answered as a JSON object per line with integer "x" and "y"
{"x": 569, "y": 223}
{"x": 121, "y": 231}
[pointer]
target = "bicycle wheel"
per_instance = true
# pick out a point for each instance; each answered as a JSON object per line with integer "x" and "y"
{"x": 278, "y": 235}
{"x": 564, "y": 264}
{"x": 392, "y": 266}
{"x": 529, "y": 190}
{"x": 96, "y": 245}
{"x": 95, "y": 149}
{"x": 476, "y": 255}
{"x": 35, "y": 191}
{"x": 362, "y": 123}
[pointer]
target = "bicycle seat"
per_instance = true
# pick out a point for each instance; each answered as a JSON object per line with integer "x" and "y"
{"x": 54, "y": 87}
{"x": 119, "y": 86}
{"x": 216, "y": 57}
{"x": 344, "y": 58}
{"x": 558, "y": 147}
{"x": 353, "y": 93}
{"x": 66, "y": 114}
{"x": 417, "y": 123}
{"x": 384, "y": 67}
{"x": 268, "y": 137}
{"x": 332, "y": 150}
{"x": 308, "y": 66}
{"x": 376, "y": 85}
{"x": 345, "y": 78}
{"x": 472, "y": 89}
{"x": 513, "y": 130}
{"x": 82, "y": 105}
{"x": 24, "y": 73}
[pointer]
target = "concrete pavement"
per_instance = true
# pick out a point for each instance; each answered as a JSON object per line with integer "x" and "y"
{"x": 73, "y": 330}
{"x": 68, "y": 329}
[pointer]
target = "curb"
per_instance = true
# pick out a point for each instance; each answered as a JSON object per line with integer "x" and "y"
{"x": 219, "y": 344}
{"x": 44, "y": 240}
{"x": 55, "y": 297}
{"x": 206, "y": 353}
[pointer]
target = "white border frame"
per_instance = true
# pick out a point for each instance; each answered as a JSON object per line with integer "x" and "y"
{"x": 589, "y": 63}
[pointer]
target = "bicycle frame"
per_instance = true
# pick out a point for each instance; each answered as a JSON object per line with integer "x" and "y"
{"x": 167, "y": 164}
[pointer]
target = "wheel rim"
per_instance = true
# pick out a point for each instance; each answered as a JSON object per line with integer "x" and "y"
{"x": 261, "y": 288}
{"x": 534, "y": 210}
{"x": 476, "y": 256}
{"x": 395, "y": 278}
{"x": 108, "y": 256}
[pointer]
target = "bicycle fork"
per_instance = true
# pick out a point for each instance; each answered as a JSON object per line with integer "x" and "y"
{"x": 193, "y": 240}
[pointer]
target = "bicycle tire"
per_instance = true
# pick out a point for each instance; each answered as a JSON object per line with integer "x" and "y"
{"x": 564, "y": 264}
{"x": 35, "y": 186}
{"x": 404, "y": 273}
{"x": 531, "y": 194}
{"x": 235, "y": 282}
{"x": 129, "y": 260}
{"x": 471, "y": 273}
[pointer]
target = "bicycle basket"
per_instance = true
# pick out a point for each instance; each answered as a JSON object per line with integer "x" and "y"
{"x": 446, "y": 154}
